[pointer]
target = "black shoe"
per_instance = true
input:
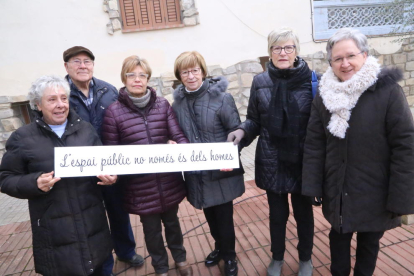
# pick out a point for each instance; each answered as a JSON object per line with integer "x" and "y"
{"x": 136, "y": 260}
{"x": 230, "y": 268}
{"x": 213, "y": 258}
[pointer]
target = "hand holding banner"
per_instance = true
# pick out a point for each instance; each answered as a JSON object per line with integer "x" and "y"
{"x": 136, "y": 159}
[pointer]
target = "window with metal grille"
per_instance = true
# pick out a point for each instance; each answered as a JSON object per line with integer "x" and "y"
{"x": 142, "y": 15}
{"x": 371, "y": 17}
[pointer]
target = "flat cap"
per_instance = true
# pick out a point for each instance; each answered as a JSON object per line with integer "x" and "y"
{"x": 71, "y": 52}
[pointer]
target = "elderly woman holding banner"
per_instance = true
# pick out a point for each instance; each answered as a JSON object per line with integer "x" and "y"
{"x": 139, "y": 117}
{"x": 69, "y": 225}
{"x": 359, "y": 151}
{"x": 207, "y": 114}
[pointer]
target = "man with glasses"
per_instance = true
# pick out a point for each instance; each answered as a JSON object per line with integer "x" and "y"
{"x": 90, "y": 97}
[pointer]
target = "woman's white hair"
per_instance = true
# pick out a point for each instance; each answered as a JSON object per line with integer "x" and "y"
{"x": 359, "y": 38}
{"x": 38, "y": 87}
{"x": 282, "y": 35}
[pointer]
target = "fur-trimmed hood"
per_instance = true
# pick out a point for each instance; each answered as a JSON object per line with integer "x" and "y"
{"x": 217, "y": 85}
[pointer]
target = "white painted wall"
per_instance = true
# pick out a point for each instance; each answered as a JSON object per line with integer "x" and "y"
{"x": 34, "y": 34}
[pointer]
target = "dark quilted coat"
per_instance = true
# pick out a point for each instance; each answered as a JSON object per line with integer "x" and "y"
{"x": 126, "y": 124}
{"x": 366, "y": 178}
{"x": 270, "y": 173}
{"x": 216, "y": 115}
{"x": 70, "y": 230}
{"x": 104, "y": 95}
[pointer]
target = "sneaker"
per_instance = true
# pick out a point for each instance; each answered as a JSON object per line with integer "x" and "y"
{"x": 184, "y": 268}
{"x": 230, "y": 268}
{"x": 213, "y": 258}
{"x": 275, "y": 268}
{"x": 305, "y": 268}
{"x": 136, "y": 260}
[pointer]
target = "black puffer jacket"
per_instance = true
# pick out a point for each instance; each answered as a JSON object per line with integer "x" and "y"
{"x": 366, "y": 178}
{"x": 215, "y": 115}
{"x": 69, "y": 225}
{"x": 270, "y": 173}
{"x": 104, "y": 94}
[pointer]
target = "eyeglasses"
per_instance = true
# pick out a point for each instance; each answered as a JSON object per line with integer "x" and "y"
{"x": 288, "y": 49}
{"x": 134, "y": 76}
{"x": 194, "y": 71}
{"x": 78, "y": 62}
{"x": 350, "y": 57}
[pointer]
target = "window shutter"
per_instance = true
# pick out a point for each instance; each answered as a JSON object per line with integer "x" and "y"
{"x": 128, "y": 13}
{"x": 158, "y": 13}
{"x": 140, "y": 15}
{"x": 173, "y": 12}
{"x": 144, "y": 14}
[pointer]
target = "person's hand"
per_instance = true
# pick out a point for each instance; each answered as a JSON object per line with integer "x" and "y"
{"x": 235, "y": 136}
{"x": 171, "y": 142}
{"x": 107, "y": 179}
{"x": 226, "y": 170}
{"x": 46, "y": 181}
{"x": 315, "y": 200}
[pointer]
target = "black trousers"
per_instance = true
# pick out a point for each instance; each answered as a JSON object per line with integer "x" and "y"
{"x": 278, "y": 217}
{"x": 155, "y": 243}
{"x": 220, "y": 221}
{"x": 366, "y": 253}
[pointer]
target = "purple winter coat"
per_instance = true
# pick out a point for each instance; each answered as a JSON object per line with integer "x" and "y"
{"x": 125, "y": 124}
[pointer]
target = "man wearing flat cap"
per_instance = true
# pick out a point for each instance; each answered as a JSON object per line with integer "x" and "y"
{"x": 90, "y": 97}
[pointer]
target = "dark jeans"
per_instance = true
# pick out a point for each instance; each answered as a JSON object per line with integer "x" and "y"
{"x": 220, "y": 221}
{"x": 155, "y": 243}
{"x": 278, "y": 216}
{"x": 121, "y": 230}
{"x": 366, "y": 253}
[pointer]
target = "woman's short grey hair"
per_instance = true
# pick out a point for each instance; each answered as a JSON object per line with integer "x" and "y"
{"x": 344, "y": 34}
{"x": 282, "y": 35}
{"x": 39, "y": 86}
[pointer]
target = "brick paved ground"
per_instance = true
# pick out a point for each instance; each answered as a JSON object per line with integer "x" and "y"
{"x": 396, "y": 256}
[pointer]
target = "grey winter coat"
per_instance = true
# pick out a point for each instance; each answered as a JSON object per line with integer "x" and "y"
{"x": 366, "y": 179}
{"x": 216, "y": 115}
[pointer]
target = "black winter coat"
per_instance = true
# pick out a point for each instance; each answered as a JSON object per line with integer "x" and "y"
{"x": 270, "y": 173}
{"x": 366, "y": 178}
{"x": 126, "y": 124}
{"x": 216, "y": 116}
{"x": 104, "y": 94}
{"x": 69, "y": 225}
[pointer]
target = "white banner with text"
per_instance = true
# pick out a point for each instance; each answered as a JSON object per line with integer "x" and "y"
{"x": 136, "y": 159}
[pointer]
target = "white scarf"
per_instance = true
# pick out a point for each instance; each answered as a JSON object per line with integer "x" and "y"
{"x": 341, "y": 97}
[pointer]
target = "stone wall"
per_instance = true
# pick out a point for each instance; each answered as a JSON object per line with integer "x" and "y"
{"x": 10, "y": 118}
{"x": 189, "y": 14}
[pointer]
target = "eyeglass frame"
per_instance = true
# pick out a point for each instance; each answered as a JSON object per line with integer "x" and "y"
{"x": 186, "y": 73}
{"x": 283, "y": 48}
{"x": 342, "y": 58}
{"x": 81, "y": 61}
{"x": 140, "y": 76}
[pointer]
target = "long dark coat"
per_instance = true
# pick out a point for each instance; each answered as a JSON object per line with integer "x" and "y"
{"x": 126, "y": 124}
{"x": 270, "y": 173}
{"x": 366, "y": 178}
{"x": 216, "y": 115}
{"x": 69, "y": 225}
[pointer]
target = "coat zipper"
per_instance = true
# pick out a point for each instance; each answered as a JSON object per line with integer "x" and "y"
{"x": 62, "y": 143}
{"x": 156, "y": 175}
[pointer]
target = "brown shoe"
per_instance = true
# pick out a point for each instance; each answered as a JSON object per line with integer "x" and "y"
{"x": 184, "y": 268}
